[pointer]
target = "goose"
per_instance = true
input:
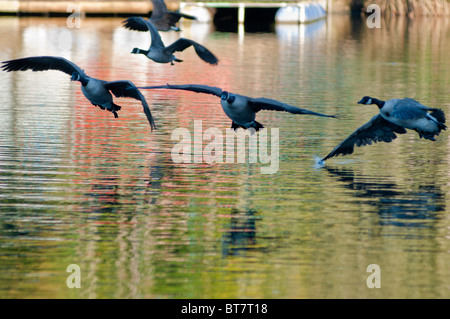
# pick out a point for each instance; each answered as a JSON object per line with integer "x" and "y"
{"x": 158, "y": 52}
{"x": 239, "y": 108}
{"x": 165, "y": 20}
{"x": 396, "y": 115}
{"x": 98, "y": 92}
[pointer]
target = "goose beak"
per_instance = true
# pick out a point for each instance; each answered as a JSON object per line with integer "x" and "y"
{"x": 361, "y": 102}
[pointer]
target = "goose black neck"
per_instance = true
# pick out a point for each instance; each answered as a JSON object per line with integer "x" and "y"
{"x": 84, "y": 81}
{"x": 231, "y": 98}
{"x": 378, "y": 103}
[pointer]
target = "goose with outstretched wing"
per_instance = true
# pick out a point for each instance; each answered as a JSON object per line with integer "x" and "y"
{"x": 98, "y": 92}
{"x": 240, "y": 109}
{"x": 396, "y": 115}
{"x": 160, "y": 53}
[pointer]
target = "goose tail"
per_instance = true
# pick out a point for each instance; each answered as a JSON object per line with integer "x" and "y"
{"x": 439, "y": 115}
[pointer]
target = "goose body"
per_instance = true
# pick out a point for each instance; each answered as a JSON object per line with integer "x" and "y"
{"x": 161, "y": 56}
{"x": 240, "y": 109}
{"x": 98, "y": 95}
{"x": 395, "y": 116}
{"x": 236, "y": 107}
{"x": 160, "y": 53}
{"x": 98, "y": 92}
{"x": 412, "y": 115}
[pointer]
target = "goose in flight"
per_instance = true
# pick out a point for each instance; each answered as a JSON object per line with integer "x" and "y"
{"x": 239, "y": 108}
{"x": 395, "y": 116}
{"x": 165, "y": 20}
{"x": 158, "y": 52}
{"x": 98, "y": 92}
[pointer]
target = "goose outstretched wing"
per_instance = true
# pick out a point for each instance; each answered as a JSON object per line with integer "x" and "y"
{"x": 259, "y": 104}
{"x": 203, "y": 53}
{"x": 42, "y": 63}
{"x": 376, "y": 130}
{"x": 141, "y": 24}
{"x": 128, "y": 89}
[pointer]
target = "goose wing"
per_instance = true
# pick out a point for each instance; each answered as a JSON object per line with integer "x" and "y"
{"x": 163, "y": 19}
{"x": 189, "y": 87}
{"x": 169, "y": 21}
{"x": 178, "y": 15}
{"x": 409, "y": 109}
{"x": 128, "y": 89}
{"x": 376, "y": 130}
{"x": 203, "y": 53}
{"x": 259, "y": 104}
{"x": 42, "y": 63}
{"x": 141, "y": 24}
{"x": 159, "y": 9}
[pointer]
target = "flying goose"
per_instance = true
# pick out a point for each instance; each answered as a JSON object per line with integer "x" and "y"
{"x": 158, "y": 52}
{"x": 239, "y": 108}
{"x": 395, "y": 116}
{"x": 96, "y": 91}
{"x": 165, "y": 20}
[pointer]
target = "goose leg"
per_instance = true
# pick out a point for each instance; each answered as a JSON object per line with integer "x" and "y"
{"x": 234, "y": 126}
{"x": 98, "y": 105}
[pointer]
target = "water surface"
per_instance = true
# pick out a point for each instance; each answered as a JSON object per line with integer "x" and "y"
{"x": 80, "y": 187}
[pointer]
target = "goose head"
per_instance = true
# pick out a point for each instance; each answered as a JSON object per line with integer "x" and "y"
{"x": 140, "y": 51}
{"x": 227, "y": 97}
{"x": 75, "y": 76}
{"x": 367, "y": 100}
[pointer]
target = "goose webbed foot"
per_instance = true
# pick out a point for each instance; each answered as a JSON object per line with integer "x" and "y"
{"x": 257, "y": 126}
{"x": 427, "y": 135}
{"x": 98, "y": 105}
{"x": 234, "y": 126}
{"x": 252, "y": 129}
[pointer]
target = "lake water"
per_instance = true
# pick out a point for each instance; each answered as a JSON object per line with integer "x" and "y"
{"x": 80, "y": 187}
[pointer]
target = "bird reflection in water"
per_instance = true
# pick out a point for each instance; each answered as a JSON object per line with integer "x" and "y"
{"x": 395, "y": 206}
{"x": 157, "y": 173}
{"x": 241, "y": 234}
{"x": 104, "y": 197}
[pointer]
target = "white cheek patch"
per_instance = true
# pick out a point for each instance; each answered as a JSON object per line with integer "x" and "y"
{"x": 369, "y": 101}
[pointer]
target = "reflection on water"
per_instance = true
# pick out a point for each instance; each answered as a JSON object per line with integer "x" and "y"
{"x": 395, "y": 206}
{"x": 241, "y": 234}
{"x": 291, "y": 32}
{"x": 78, "y": 186}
